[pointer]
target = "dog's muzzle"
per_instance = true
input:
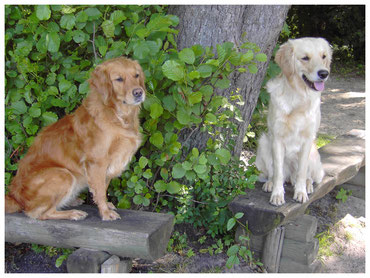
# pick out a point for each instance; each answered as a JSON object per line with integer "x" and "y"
{"x": 317, "y": 85}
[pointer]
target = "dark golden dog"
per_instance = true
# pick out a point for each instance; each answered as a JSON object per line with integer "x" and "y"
{"x": 84, "y": 149}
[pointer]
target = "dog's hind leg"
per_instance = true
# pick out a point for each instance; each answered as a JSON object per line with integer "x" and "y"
{"x": 49, "y": 190}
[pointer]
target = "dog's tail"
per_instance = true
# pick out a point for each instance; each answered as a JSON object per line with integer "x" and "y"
{"x": 12, "y": 205}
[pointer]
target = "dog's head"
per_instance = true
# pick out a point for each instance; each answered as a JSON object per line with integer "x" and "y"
{"x": 305, "y": 62}
{"x": 119, "y": 80}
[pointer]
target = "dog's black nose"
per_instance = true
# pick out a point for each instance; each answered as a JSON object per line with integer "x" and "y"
{"x": 137, "y": 92}
{"x": 323, "y": 74}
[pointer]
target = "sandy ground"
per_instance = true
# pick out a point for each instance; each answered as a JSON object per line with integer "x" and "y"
{"x": 343, "y": 105}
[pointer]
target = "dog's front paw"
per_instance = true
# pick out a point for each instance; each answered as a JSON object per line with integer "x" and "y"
{"x": 110, "y": 215}
{"x": 309, "y": 186}
{"x": 267, "y": 186}
{"x": 300, "y": 196}
{"x": 277, "y": 197}
{"x": 111, "y": 206}
{"x": 77, "y": 215}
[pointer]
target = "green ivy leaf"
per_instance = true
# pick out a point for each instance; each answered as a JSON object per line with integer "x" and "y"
{"x": 53, "y": 42}
{"x": 252, "y": 69}
{"x": 195, "y": 97}
{"x": 64, "y": 85}
{"x": 187, "y": 55}
{"x": 43, "y": 12}
{"x": 148, "y": 174}
{"x": 178, "y": 171}
{"x": 183, "y": 117}
{"x": 141, "y": 50}
{"x": 231, "y": 223}
{"x": 211, "y": 118}
{"x": 200, "y": 169}
{"x": 157, "y": 139}
{"x": 143, "y": 161}
{"x": 247, "y": 57}
{"x": 261, "y": 57}
{"x": 124, "y": 203}
{"x": 224, "y": 155}
{"x": 160, "y": 186}
{"x": 79, "y": 36}
{"x": 221, "y": 53}
{"x": 59, "y": 261}
{"x": 169, "y": 103}
{"x": 93, "y": 13}
{"x": 173, "y": 70}
{"x": 49, "y": 118}
{"x": 82, "y": 17}
{"x": 156, "y": 110}
{"x": 117, "y": 17}
{"x": 138, "y": 200}
{"x": 108, "y": 28}
{"x": 19, "y": 107}
{"x": 34, "y": 111}
{"x": 173, "y": 187}
{"x": 205, "y": 70}
{"x": 68, "y": 21}
{"x": 231, "y": 261}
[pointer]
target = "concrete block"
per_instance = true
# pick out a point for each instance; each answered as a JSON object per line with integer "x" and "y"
{"x": 115, "y": 265}
{"x": 86, "y": 261}
{"x": 289, "y": 266}
{"x": 302, "y": 229}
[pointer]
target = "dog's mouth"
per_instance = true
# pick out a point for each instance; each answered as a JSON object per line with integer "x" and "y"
{"x": 316, "y": 86}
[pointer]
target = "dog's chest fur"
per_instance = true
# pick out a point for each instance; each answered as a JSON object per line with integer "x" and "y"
{"x": 293, "y": 115}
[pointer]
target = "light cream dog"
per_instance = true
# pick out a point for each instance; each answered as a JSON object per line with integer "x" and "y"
{"x": 287, "y": 153}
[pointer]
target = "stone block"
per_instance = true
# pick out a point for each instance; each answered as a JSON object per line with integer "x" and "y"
{"x": 86, "y": 261}
{"x": 302, "y": 229}
{"x": 300, "y": 252}
{"x": 289, "y": 266}
{"x": 116, "y": 265}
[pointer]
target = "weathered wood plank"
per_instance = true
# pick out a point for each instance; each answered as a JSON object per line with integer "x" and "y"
{"x": 341, "y": 159}
{"x": 302, "y": 229}
{"x": 137, "y": 234}
{"x": 289, "y": 266}
{"x": 301, "y": 252}
{"x": 272, "y": 249}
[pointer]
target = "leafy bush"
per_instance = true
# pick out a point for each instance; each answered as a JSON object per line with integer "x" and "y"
{"x": 50, "y": 51}
{"x": 342, "y": 25}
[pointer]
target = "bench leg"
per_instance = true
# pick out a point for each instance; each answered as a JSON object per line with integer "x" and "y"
{"x": 272, "y": 249}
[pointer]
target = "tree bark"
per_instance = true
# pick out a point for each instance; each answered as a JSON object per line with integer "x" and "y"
{"x": 212, "y": 25}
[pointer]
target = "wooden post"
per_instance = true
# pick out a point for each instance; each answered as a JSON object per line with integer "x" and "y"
{"x": 272, "y": 249}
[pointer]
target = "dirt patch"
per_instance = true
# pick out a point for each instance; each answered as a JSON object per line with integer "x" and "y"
{"x": 343, "y": 105}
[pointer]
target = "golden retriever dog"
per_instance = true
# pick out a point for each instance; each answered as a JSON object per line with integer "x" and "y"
{"x": 84, "y": 149}
{"x": 287, "y": 153}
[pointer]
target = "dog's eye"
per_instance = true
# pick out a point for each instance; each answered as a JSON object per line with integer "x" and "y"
{"x": 306, "y": 58}
{"x": 136, "y": 75}
{"x": 323, "y": 57}
{"x": 119, "y": 79}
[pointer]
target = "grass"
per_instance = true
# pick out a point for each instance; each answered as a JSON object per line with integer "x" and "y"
{"x": 326, "y": 239}
{"x": 323, "y": 139}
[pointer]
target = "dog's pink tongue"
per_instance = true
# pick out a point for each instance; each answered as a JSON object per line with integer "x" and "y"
{"x": 320, "y": 86}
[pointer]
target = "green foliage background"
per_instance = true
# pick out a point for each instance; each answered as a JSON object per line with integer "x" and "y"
{"x": 51, "y": 50}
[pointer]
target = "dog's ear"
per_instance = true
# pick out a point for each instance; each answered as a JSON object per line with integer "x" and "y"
{"x": 141, "y": 75}
{"x": 329, "y": 54}
{"x": 285, "y": 58}
{"x": 100, "y": 81}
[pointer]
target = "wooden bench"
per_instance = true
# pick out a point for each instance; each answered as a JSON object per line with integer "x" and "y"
{"x": 341, "y": 159}
{"x": 137, "y": 234}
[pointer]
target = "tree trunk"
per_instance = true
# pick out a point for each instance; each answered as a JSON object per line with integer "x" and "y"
{"x": 212, "y": 25}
